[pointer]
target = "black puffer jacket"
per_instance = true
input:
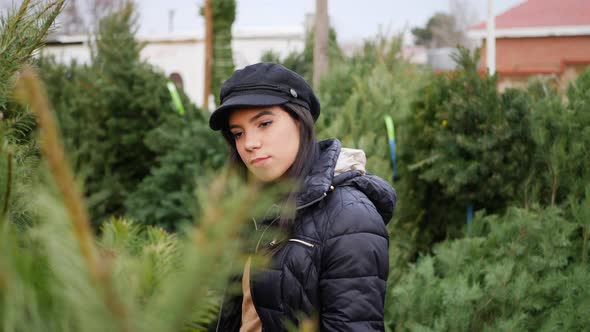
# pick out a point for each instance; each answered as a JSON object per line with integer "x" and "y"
{"x": 335, "y": 264}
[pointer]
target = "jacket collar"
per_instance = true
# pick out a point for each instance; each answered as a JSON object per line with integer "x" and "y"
{"x": 321, "y": 180}
{"x": 317, "y": 183}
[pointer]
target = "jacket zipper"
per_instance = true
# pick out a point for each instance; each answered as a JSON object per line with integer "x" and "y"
{"x": 250, "y": 281}
{"x": 262, "y": 235}
{"x": 273, "y": 242}
{"x": 302, "y": 242}
{"x": 332, "y": 188}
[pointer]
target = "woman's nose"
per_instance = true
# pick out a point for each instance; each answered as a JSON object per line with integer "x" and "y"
{"x": 253, "y": 142}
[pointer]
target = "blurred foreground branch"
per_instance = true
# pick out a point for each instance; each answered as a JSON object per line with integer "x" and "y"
{"x": 29, "y": 91}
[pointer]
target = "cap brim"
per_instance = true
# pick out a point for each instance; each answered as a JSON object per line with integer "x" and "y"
{"x": 218, "y": 118}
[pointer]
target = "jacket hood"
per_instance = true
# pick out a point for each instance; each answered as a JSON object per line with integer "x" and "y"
{"x": 337, "y": 166}
{"x": 350, "y": 159}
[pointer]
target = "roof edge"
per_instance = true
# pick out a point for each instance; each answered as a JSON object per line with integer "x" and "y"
{"x": 566, "y": 30}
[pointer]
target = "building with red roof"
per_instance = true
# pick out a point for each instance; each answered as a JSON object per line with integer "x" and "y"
{"x": 539, "y": 37}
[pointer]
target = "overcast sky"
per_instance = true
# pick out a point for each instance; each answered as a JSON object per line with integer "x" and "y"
{"x": 354, "y": 20}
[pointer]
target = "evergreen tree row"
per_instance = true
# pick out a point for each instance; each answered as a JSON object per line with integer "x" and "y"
{"x": 138, "y": 156}
{"x": 526, "y": 270}
{"x": 466, "y": 144}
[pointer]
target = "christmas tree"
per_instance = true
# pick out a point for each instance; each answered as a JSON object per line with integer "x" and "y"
{"x": 139, "y": 157}
{"x": 22, "y": 32}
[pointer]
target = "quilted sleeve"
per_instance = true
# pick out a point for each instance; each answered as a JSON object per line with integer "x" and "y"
{"x": 354, "y": 269}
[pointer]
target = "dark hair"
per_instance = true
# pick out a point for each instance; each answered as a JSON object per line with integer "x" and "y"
{"x": 306, "y": 156}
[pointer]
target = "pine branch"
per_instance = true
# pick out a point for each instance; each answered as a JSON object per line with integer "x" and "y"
{"x": 21, "y": 34}
{"x": 29, "y": 91}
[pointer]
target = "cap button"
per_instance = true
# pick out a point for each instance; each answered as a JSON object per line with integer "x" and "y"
{"x": 293, "y": 92}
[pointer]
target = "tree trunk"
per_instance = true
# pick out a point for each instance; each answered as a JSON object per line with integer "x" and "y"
{"x": 208, "y": 53}
{"x": 320, "y": 51}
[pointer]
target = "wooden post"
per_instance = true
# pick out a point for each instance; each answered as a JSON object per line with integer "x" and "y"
{"x": 320, "y": 50}
{"x": 208, "y": 53}
{"x": 491, "y": 39}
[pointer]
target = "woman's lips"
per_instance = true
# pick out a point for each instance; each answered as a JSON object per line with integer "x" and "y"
{"x": 256, "y": 161}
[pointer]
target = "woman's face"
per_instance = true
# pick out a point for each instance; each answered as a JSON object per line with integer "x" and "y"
{"x": 267, "y": 140}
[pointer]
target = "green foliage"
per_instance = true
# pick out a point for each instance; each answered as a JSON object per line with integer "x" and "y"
{"x": 523, "y": 271}
{"x": 562, "y": 139}
{"x": 133, "y": 97}
{"x": 187, "y": 149}
{"x": 224, "y": 15}
{"x": 22, "y": 33}
{"x": 357, "y": 94}
{"x": 479, "y": 137}
{"x": 483, "y": 138}
{"x": 154, "y": 281}
{"x": 535, "y": 146}
{"x": 138, "y": 157}
{"x": 470, "y": 145}
{"x": 579, "y": 152}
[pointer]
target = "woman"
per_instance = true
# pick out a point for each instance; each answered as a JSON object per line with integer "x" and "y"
{"x": 334, "y": 261}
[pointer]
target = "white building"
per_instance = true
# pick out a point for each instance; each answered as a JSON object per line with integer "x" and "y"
{"x": 184, "y": 53}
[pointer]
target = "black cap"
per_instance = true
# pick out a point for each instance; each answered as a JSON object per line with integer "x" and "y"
{"x": 263, "y": 84}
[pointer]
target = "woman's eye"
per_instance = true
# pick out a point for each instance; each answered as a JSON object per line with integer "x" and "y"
{"x": 237, "y": 135}
{"x": 265, "y": 123}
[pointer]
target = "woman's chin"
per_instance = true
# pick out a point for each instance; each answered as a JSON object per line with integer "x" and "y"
{"x": 266, "y": 178}
{"x": 267, "y": 175}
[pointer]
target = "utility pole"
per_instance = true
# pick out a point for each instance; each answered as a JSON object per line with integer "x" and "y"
{"x": 171, "y": 13}
{"x": 320, "y": 50}
{"x": 491, "y": 39}
{"x": 208, "y": 52}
